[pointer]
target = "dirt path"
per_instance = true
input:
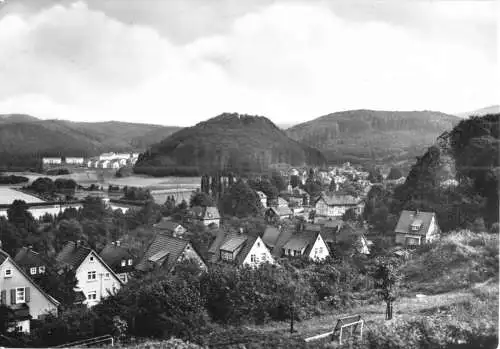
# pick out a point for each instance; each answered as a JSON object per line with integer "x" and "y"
{"x": 403, "y": 307}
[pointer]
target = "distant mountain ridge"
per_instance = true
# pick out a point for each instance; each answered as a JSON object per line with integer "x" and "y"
{"x": 492, "y": 109}
{"x": 25, "y": 134}
{"x": 228, "y": 142}
{"x": 373, "y": 136}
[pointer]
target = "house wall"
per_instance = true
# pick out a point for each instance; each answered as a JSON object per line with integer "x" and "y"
{"x": 190, "y": 254}
{"x": 401, "y": 238}
{"x": 207, "y": 222}
{"x": 101, "y": 284}
{"x": 432, "y": 233}
{"x": 39, "y": 304}
{"x": 261, "y": 253}
{"x": 319, "y": 250}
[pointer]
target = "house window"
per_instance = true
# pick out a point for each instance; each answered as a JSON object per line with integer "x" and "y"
{"x": 123, "y": 277}
{"x": 106, "y": 275}
{"x": 320, "y": 250}
{"x": 18, "y": 328}
{"x": 289, "y": 252}
{"x": 20, "y": 295}
{"x": 91, "y": 258}
{"x": 253, "y": 259}
{"x": 227, "y": 256}
{"x": 33, "y": 271}
{"x": 316, "y": 250}
{"x": 8, "y": 273}
{"x": 264, "y": 257}
{"x": 92, "y": 295}
{"x": 130, "y": 262}
{"x": 91, "y": 275}
{"x": 124, "y": 262}
{"x": 41, "y": 269}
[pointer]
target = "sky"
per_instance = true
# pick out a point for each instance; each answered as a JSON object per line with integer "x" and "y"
{"x": 179, "y": 62}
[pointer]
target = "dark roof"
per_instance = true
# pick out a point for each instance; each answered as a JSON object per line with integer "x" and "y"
{"x": 285, "y": 235}
{"x": 408, "y": 217}
{"x": 164, "y": 251}
{"x": 166, "y": 224}
{"x": 300, "y": 241}
{"x": 113, "y": 255}
{"x": 73, "y": 255}
{"x": 28, "y": 258}
{"x": 339, "y": 200}
{"x": 209, "y": 212}
{"x": 4, "y": 256}
{"x": 281, "y": 211}
{"x": 312, "y": 227}
{"x": 223, "y": 239}
{"x": 271, "y": 235}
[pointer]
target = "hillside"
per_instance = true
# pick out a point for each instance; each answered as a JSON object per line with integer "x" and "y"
{"x": 231, "y": 142}
{"x": 373, "y": 136}
{"x": 24, "y": 134}
{"x": 492, "y": 109}
{"x": 469, "y": 155}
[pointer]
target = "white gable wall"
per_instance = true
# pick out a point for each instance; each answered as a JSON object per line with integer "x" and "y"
{"x": 261, "y": 254}
{"x": 431, "y": 234}
{"x": 319, "y": 250}
{"x": 104, "y": 280}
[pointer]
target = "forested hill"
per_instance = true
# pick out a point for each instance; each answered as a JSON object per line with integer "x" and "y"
{"x": 373, "y": 136}
{"x": 469, "y": 154}
{"x": 228, "y": 142}
{"x": 25, "y": 134}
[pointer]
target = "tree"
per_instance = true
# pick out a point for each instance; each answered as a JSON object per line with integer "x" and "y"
{"x": 59, "y": 285}
{"x": 375, "y": 176}
{"x": 278, "y": 181}
{"x": 241, "y": 201}
{"x": 294, "y": 181}
{"x": 19, "y": 216}
{"x": 387, "y": 277}
{"x": 93, "y": 208}
{"x": 312, "y": 215}
{"x": 394, "y": 173}
{"x": 200, "y": 199}
{"x": 43, "y": 185}
{"x": 350, "y": 215}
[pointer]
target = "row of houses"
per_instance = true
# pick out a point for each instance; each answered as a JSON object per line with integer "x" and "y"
{"x": 62, "y": 160}
{"x": 105, "y": 160}
{"x": 102, "y": 274}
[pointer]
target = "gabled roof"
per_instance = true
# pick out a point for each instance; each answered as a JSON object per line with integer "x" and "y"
{"x": 209, "y": 212}
{"x": 282, "y": 202}
{"x": 312, "y": 227}
{"x": 232, "y": 243}
{"x": 281, "y": 211}
{"x": 301, "y": 241}
{"x": 163, "y": 245}
{"x": 112, "y": 255}
{"x": 72, "y": 255}
{"x": 28, "y": 258}
{"x": 339, "y": 200}
{"x": 167, "y": 224}
{"x": 228, "y": 241}
{"x": 271, "y": 235}
{"x": 4, "y": 256}
{"x": 408, "y": 217}
{"x": 283, "y": 238}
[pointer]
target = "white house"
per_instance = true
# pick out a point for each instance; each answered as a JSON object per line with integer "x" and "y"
{"x": 207, "y": 215}
{"x": 52, "y": 161}
{"x": 169, "y": 226}
{"x": 96, "y": 280}
{"x": 239, "y": 249}
{"x": 74, "y": 161}
{"x": 107, "y": 156}
{"x": 416, "y": 228}
{"x": 307, "y": 243}
{"x": 104, "y": 164}
{"x": 263, "y": 198}
{"x": 23, "y": 296}
{"x": 337, "y": 205}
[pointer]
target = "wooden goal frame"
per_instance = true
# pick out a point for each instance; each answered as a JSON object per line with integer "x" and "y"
{"x": 352, "y": 322}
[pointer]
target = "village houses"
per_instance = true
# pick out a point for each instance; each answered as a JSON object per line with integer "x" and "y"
{"x": 166, "y": 251}
{"x": 96, "y": 280}
{"x": 334, "y": 206}
{"x": 207, "y": 215}
{"x": 32, "y": 262}
{"x": 120, "y": 259}
{"x": 22, "y": 295}
{"x": 169, "y": 226}
{"x": 239, "y": 249}
{"x": 415, "y": 228}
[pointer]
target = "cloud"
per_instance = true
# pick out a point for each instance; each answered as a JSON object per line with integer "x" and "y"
{"x": 289, "y": 61}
